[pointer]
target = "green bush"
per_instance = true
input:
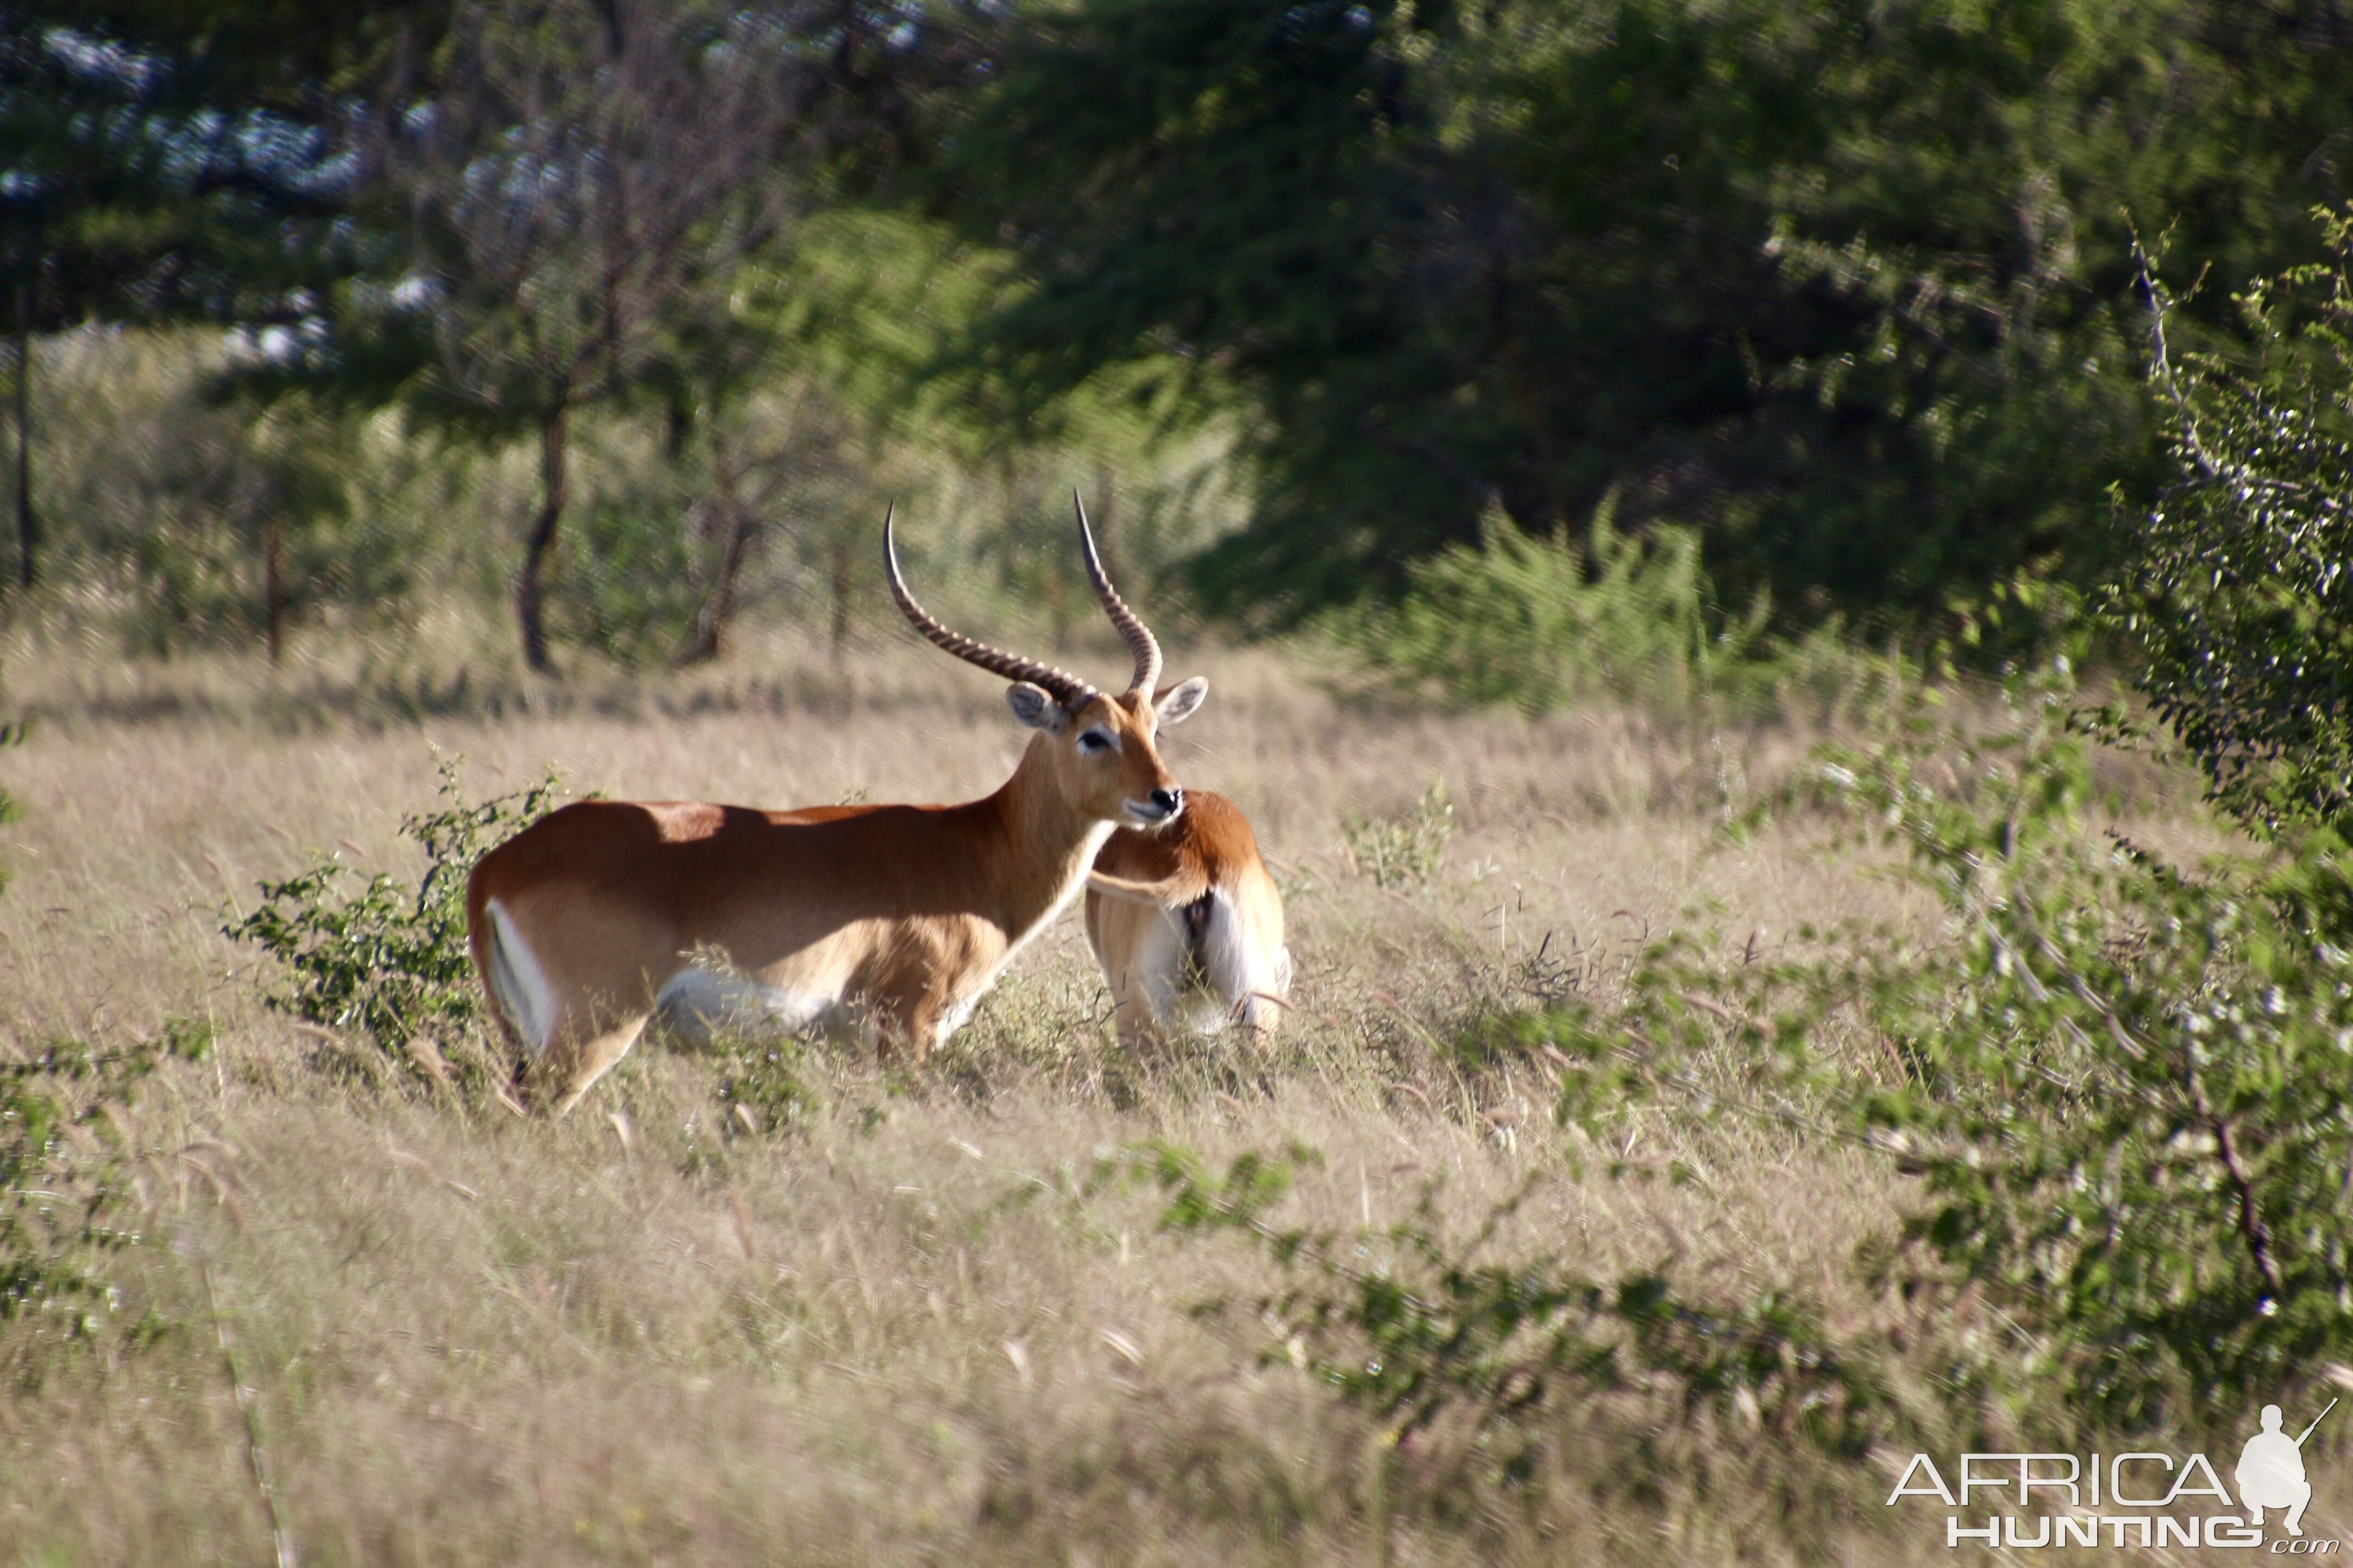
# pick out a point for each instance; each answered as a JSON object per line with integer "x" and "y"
{"x": 2123, "y": 1087}
{"x": 2239, "y": 596}
{"x": 1406, "y": 850}
{"x": 387, "y": 960}
{"x": 1540, "y": 623}
{"x": 633, "y": 586}
{"x": 2128, "y": 1085}
{"x": 760, "y": 1083}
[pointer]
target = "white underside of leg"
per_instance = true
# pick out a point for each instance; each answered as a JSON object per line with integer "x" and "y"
{"x": 517, "y": 985}
{"x": 959, "y": 1015}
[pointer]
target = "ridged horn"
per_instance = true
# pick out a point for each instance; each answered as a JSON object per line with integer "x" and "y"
{"x": 1067, "y": 689}
{"x": 1140, "y": 640}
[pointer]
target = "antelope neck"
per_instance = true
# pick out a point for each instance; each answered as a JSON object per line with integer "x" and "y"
{"x": 1043, "y": 848}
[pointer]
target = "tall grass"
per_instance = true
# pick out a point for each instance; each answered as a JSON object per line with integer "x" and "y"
{"x": 890, "y": 1317}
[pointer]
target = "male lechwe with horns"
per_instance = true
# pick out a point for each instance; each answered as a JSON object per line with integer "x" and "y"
{"x": 587, "y": 920}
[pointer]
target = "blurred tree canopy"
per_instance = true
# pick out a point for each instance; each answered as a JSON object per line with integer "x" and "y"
{"x": 1845, "y": 286}
{"x": 491, "y": 212}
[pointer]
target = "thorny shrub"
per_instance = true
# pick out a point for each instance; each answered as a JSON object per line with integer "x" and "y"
{"x": 387, "y": 960}
{"x": 2123, "y": 1087}
{"x": 2239, "y": 593}
{"x": 2127, "y": 1086}
{"x": 1413, "y": 1322}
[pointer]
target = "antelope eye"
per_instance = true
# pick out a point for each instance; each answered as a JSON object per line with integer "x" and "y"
{"x": 1094, "y": 741}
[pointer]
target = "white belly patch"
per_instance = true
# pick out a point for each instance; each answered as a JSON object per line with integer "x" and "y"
{"x": 700, "y": 1005}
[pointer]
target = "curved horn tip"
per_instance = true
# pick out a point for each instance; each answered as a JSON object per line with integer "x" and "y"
{"x": 894, "y": 576}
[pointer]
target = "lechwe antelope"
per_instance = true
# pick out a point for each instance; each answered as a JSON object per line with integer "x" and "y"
{"x": 1188, "y": 925}
{"x": 595, "y": 916}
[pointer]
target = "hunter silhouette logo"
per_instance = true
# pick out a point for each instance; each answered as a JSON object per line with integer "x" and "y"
{"x": 2270, "y": 1471}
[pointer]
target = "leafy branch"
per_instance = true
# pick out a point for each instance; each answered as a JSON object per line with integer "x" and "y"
{"x": 390, "y": 960}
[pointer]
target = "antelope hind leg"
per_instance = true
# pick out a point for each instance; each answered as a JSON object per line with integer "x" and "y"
{"x": 573, "y": 1062}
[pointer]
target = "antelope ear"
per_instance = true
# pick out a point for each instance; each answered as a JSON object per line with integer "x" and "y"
{"x": 1036, "y": 708}
{"x": 1177, "y": 703}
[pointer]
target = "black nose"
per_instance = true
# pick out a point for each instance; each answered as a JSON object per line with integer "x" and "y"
{"x": 1169, "y": 801}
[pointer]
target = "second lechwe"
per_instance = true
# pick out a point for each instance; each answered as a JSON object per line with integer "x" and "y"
{"x": 1188, "y": 924}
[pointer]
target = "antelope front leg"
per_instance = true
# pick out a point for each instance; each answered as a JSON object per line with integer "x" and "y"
{"x": 907, "y": 1018}
{"x": 1132, "y": 1018}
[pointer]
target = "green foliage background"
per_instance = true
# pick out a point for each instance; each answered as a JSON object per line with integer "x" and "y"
{"x": 1643, "y": 350}
{"x": 1847, "y": 292}
{"x": 1846, "y": 286}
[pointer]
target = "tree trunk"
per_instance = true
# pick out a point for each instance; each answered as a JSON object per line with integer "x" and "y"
{"x": 840, "y": 598}
{"x": 710, "y": 621}
{"x": 29, "y": 526}
{"x": 273, "y": 587}
{"x": 742, "y": 526}
{"x": 528, "y": 590}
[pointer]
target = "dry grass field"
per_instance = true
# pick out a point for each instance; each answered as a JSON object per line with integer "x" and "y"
{"x": 899, "y": 1328}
